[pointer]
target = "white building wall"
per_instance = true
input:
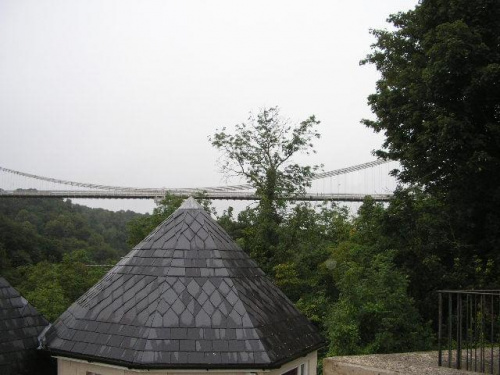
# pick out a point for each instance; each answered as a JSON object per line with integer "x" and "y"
{"x": 67, "y": 366}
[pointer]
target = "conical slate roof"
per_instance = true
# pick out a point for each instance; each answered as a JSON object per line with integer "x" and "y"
{"x": 186, "y": 297}
{"x": 20, "y": 325}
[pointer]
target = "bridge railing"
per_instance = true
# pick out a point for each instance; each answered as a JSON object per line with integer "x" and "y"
{"x": 469, "y": 330}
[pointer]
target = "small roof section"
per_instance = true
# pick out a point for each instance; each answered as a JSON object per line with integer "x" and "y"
{"x": 190, "y": 204}
{"x": 187, "y": 296}
{"x": 20, "y": 325}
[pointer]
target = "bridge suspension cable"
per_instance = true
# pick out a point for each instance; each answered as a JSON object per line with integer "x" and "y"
{"x": 242, "y": 191}
{"x": 62, "y": 182}
{"x": 354, "y": 168}
{"x": 214, "y": 189}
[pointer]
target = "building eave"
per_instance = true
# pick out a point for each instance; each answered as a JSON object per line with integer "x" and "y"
{"x": 166, "y": 367}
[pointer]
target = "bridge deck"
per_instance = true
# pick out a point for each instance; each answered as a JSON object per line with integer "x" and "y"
{"x": 155, "y": 194}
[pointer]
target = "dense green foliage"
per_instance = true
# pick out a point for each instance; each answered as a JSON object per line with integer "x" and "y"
{"x": 53, "y": 287}
{"x": 46, "y": 246}
{"x": 340, "y": 273}
{"x": 438, "y": 104}
{"x": 374, "y": 313}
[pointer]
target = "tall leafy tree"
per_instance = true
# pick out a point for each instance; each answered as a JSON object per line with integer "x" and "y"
{"x": 438, "y": 104}
{"x": 262, "y": 151}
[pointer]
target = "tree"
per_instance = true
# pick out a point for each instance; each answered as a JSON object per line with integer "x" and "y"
{"x": 302, "y": 272}
{"x": 439, "y": 95}
{"x": 261, "y": 151}
{"x": 438, "y": 103}
{"x": 374, "y": 313}
{"x": 53, "y": 287}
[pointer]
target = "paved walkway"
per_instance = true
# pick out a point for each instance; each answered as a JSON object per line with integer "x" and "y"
{"x": 424, "y": 363}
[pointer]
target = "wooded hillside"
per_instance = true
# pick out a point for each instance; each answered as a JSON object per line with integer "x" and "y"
{"x": 46, "y": 246}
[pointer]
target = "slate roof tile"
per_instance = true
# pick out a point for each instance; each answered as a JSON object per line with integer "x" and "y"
{"x": 20, "y": 325}
{"x": 187, "y": 295}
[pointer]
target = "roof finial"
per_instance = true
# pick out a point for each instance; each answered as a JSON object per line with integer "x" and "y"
{"x": 191, "y": 204}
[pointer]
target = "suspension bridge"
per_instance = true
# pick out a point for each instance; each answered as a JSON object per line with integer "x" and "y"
{"x": 351, "y": 184}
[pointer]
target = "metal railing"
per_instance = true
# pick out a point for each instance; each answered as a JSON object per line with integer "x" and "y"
{"x": 469, "y": 330}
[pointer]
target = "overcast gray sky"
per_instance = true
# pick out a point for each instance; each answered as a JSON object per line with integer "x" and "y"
{"x": 126, "y": 92}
